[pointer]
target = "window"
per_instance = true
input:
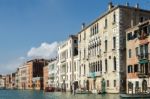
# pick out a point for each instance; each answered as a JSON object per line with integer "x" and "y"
{"x": 84, "y": 53}
{"x": 141, "y": 49}
{"x": 67, "y": 68}
{"x": 80, "y": 70}
{"x": 70, "y": 52}
{"x": 136, "y": 50}
{"x": 135, "y": 34}
{"x": 100, "y": 65}
{"x": 115, "y": 63}
{"x": 96, "y": 67}
{"x": 146, "y": 48}
{"x": 80, "y": 37}
{"x": 94, "y": 29}
{"x": 90, "y": 31}
{"x": 84, "y": 70}
{"x": 97, "y": 28}
{"x": 136, "y": 68}
{"x": 74, "y": 66}
{"x": 141, "y": 19}
{"x": 107, "y": 83}
{"x": 75, "y": 41}
{"x": 114, "y": 83}
{"x": 105, "y": 65}
{"x": 130, "y": 69}
{"x": 114, "y": 42}
{"x": 137, "y": 84}
{"x": 84, "y": 35}
{"x": 129, "y": 36}
{"x": 70, "y": 66}
{"x": 129, "y": 53}
{"x": 105, "y": 45}
{"x": 114, "y": 18}
{"x": 105, "y": 23}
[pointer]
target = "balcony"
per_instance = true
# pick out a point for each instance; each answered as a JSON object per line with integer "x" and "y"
{"x": 94, "y": 74}
{"x": 63, "y": 71}
{"x": 143, "y": 56}
{"x": 143, "y": 75}
{"x": 143, "y": 32}
{"x": 63, "y": 60}
{"x": 143, "y": 36}
{"x": 51, "y": 76}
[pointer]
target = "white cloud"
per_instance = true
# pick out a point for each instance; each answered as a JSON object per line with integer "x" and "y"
{"x": 11, "y": 66}
{"x": 45, "y": 51}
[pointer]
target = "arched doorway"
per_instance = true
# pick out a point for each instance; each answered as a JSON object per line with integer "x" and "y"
{"x": 87, "y": 85}
{"x": 130, "y": 87}
{"x": 144, "y": 86}
{"x": 103, "y": 86}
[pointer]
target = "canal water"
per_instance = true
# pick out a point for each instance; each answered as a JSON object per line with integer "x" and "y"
{"x": 29, "y": 94}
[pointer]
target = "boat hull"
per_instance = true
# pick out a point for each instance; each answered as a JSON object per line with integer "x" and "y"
{"x": 135, "y": 95}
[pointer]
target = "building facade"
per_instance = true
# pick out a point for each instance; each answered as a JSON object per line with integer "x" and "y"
{"x": 22, "y": 77}
{"x": 8, "y": 81}
{"x": 45, "y": 77}
{"x": 138, "y": 57}
{"x": 53, "y": 79}
{"x": 17, "y": 79}
{"x": 66, "y": 51}
{"x": 2, "y": 82}
{"x": 102, "y": 52}
{"x": 13, "y": 81}
{"x": 35, "y": 73}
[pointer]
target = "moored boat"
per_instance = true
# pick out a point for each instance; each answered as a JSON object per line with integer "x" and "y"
{"x": 135, "y": 95}
{"x": 49, "y": 89}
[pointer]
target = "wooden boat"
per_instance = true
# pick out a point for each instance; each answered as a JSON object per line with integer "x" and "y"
{"x": 135, "y": 95}
{"x": 49, "y": 89}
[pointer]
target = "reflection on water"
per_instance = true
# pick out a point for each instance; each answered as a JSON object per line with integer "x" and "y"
{"x": 29, "y": 94}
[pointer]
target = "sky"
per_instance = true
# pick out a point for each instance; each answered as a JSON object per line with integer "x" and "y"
{"x": 34, "y": 28}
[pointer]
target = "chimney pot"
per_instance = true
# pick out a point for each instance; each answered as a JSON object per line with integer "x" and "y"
{"x": 127, "y": 3}
{"x": 110, "y": 6}
{"x": 137, "y": 5}
{"x": 83, "y": 26}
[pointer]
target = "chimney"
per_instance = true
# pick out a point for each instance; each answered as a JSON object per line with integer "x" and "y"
{"x": 137, "y": 5}
{"x": 110, "y": 6}
{"x": 127, "y": 4}
{"x": 83, "y": 26}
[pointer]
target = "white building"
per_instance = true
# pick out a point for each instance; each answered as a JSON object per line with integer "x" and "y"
{"x": 53, "y": 74}
{"x": 2, "y": 82}
{"x": 23, "y": 77}
{"x": 66, "y": 52}
{"x": 102, "y": 51}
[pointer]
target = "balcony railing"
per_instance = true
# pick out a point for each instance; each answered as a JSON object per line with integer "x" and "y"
{"x": 94, "y": 74}
{"x": 143, "y": 75}
{"x": 143, "y": 56}
{"x": 51, "y": 76}
{"x": 63, "y": 60}
{"x": 143, "y": 36}
{"x": 63, "y": 72}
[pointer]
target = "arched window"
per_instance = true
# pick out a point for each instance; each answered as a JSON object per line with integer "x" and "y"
{"x": 105, "y": 65}
{"x": 98, "y": 66}
{"x": 101, "y": 65}
{"x": 115, "y": 67}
